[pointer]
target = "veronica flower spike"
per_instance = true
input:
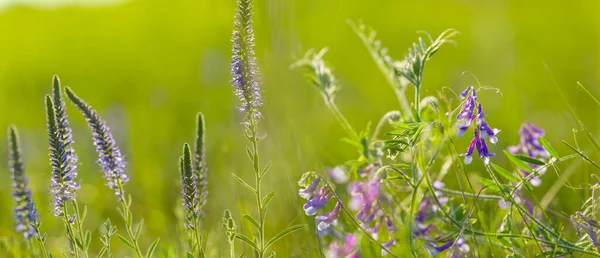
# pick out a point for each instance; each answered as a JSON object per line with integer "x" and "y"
{"x": 110, "y": 159}
{"x": 112, "y": 164}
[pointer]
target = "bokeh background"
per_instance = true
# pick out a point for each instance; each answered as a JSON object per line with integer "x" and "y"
{"x": 149, "y": 66}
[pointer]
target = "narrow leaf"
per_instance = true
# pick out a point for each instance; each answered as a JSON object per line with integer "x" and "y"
{"x": 517, "y": 162}
{"x": 125, "y": 241}
{"x": 283, "y": 233}
{"x": 151, "y": 248}
{"x": 241, "y": 181}
{"x": 138, "y": 230}
{"x": 530, "y": 160}
{"x": 504, "y": 173}
{"x": 549, "y": 147}
{"x": 247, "y": 241}
{"x": 267, "y": 199}
{"x": 252, "y": 220}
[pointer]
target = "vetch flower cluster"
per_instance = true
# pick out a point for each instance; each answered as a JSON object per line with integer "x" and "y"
{"x": 346, "y": 247}
{"x": 365, "y": 199}
{"x": 473, "y": 111}
{"x": 588, "y": 225}
{"x": 529, "y": 145}
{"x": 318, "y": 197}
{"x": 110, "y": 158}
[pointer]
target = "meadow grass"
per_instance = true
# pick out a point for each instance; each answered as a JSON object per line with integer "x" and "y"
{"x": 406, "y": 191}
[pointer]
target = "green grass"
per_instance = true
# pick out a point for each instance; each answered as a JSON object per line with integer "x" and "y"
{"x": 149, "y": 66}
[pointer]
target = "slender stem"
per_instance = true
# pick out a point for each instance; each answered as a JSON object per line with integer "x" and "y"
{"x": 341, "y": 119}
{"x": 39, "y": 239}
{"x": 403, "y": 102}
{"x": 128, "y": 225}
{"x": 418, "y": 102}
{"x": 197, "y": 237}
{"x": 79, "y": 225}
{"x": 70, "y": 234}
{"x": 254, "y": 138}
{"x": 42, "y": 247}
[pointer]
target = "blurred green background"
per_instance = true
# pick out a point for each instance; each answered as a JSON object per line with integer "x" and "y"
{"x": 149, "y": 66}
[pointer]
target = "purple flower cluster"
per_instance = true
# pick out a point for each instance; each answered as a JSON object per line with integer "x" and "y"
{"x": 244, "y": 71}
{"x": 529, "y": 145}
{"x": 63, "y": 186}
{"x": 470, "y": 111}
{"x": 347, "y": 247}
{"x": 188, "y": 187}
{"x": 25, "y": 211}
{"x": 365, "y": 199}
{"x": 426, "y": 229}
{"x": 110, "y": 158}
{"x": 588, "y": 225}
{"x": 317, "y": 197}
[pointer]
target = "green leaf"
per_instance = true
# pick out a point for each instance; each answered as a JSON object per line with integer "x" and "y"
{"x": 249, "y": 153}
{"x": 125, "y": 241}
{"x": 247, "y": 240}
{"x": 266, "y": 169}
{"x": 241, "y": 181}
{"x": 517, "y": 162}
{"x": 490, "y": 184}
{"x": 283, "y": 233}
{"x": 78, "y": 242}
{"x": 138, "y": 230}
{"x": 190, "y": 255}
{"x": 101, "y": 252}
{"x": 267, "y": 199}
{"x": 151, "y": 248}
{"x": 252, "y": 220}
{"x": 504, "y": 173}
{"x": 87, "y": 239}
{"x": 530, "y": 160}
{"x": 549, "y": 147}
{"x": 352, "y": 142}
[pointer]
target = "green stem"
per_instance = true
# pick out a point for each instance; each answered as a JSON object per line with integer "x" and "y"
{"x": 70, "y": 234}
{"x": 79, "y": 224}
{"x": 257, "y": 177}
{"x": 197, "y": 237}
{"x": 418, "y": 102}
{"x": 403, "y": 102}
{"x": 128, "y": 224}
{"x": 40, "y": 241}
{"x": 341, "y": 119}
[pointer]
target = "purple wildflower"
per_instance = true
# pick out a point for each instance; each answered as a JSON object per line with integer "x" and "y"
{"x": 188, "y": 187}
{"x": 317, "y": 202}
{"x": 481, "y": 131}
{"x": 63, "y": 185}
{"x": 347, "y": 248}
{"x": 388, "y": 245}
{"x": 588, "y": 225}
{"x": 244, "y": 71}
{"x": 338, "y": 175}
{"x": 110, "y": 158}
{"x": 326, "y": 221}
{"x": 25, "y": 211}
{"x": 199, "y": 166}
{"x": 460, "y": 249}
{"x": 529, "y": 145}
{"x": 310, "y": 190}
{"x": 364, "y": 199}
